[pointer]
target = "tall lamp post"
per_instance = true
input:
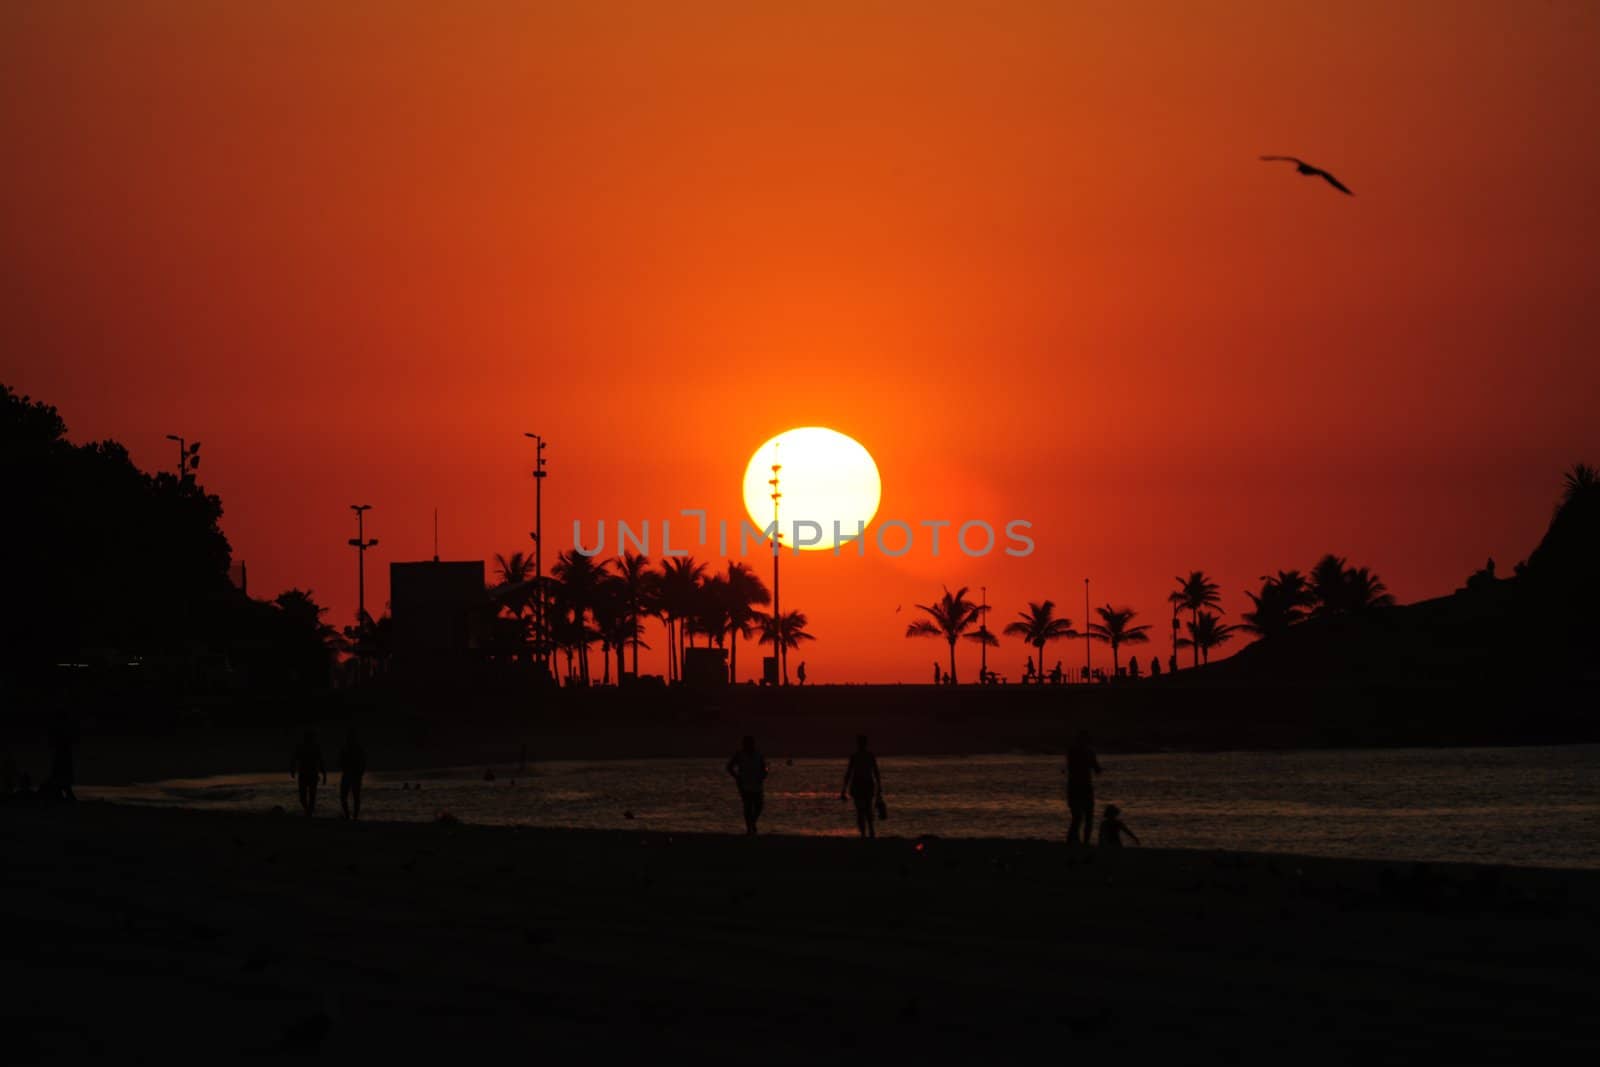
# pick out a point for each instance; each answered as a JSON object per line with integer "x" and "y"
{"x": 1088, "y": 654}
{"x": 360, "y": 543}
{"x": 777, "y": 553}
{"x": 188, "y": 457}
{"x": 983, "y": 638}
{"x": 538, "y": 544}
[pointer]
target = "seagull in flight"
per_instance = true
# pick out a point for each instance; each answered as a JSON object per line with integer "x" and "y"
{"x": 1305, "y": 168}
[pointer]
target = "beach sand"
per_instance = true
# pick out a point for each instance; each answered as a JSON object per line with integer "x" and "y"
{"x": 138, "y": 931}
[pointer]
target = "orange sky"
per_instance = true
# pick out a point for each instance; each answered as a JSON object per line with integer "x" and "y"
{"x": 1023, "y": 252}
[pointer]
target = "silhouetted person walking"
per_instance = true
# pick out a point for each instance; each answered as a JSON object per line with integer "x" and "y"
{"x": 1112, "y": 829}
{"x": 864, "y": 785}
{"x": 352, "y": 768}
{"x": 801, "y": 673}
{"x": 305, "y": 766}
{"x": 937, "y": 674}
{"x": 1082, "y": 766}
{"x": 749, "y": 770}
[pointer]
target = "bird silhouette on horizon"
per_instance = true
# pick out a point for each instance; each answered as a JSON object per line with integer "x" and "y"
{"x": 1307, "y": 169}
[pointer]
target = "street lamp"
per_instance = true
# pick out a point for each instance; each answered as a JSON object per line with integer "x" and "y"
{"x": 538, "y": 542}
{"x": 1088, "y": 653}
{"x": 360, "y": 543}
{"x": 188, "y": 457}
{"x": 777, "y": 553}
{"x": 983, "y": 638}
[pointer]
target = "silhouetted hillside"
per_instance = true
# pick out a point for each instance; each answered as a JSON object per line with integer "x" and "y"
{"x": 1539, "y": 626}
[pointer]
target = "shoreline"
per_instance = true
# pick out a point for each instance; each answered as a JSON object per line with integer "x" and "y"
{"x": 112, "y": 757}
{"x": 1244, "y": 857}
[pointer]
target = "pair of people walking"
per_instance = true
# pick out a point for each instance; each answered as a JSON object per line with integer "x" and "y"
{"x": 863, "y": 784}
{"x": 306, "y": 767}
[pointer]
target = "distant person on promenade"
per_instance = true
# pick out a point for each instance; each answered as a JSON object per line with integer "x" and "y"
{"x": 749, "y": 771}
{"x": 801, "y": 673}
{"x": 305, "y": 766}
{"x": 352, "y": 768}
{"x": 864, "y": 785}
{"x": 936, "y": 673}
{"x": 1112, "y": 829}
{"x": 1082, "y": 766}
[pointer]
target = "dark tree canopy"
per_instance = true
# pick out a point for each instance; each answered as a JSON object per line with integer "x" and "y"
{"x": 104, "y": 558}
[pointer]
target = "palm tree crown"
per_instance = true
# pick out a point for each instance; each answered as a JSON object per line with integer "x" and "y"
{"x": 783, "y": 632}
{"x": 638, "y": 593}
{"x": 741, "y": 591}
{"x": 1194, "y": 594}
{"x": 677, "y": 597}
{"x": 1039, "y": 625}
{"x": 949, "y": 617}
{"x": 1206, "y": 633}
{"x": 1116, "y": 629}
{"x": 1282, "y": 602}
{"x": 1342, "y": 590}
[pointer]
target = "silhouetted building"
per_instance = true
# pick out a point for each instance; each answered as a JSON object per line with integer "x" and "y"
{"x": 441, "y": 615}
{"x": 705, "y": 668}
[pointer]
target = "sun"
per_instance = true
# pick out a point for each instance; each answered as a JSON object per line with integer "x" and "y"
{"x": 825, "y": 477}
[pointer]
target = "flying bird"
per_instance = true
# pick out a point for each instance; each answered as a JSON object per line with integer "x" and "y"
{"x": 1307, "y": 169}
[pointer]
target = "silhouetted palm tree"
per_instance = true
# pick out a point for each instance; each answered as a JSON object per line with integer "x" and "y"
{"x": 1038, "y": 625}
{"x": 1282, "y": 602}
{"x": 516, "y": 571}
{"x": 614, "y": 623}
{"x": 1582, "y": 480}
{"x": 579, "y": 579}
{"x": 710, "y": 612}
{"x": 1327, "y": 585}
{"x": 983, "y": 637}
{"x": 1564, "y": 563}
{"x": 784, "y": 633}
{"x": 951, "y": 616}
{"x": 570, "y": 632}
{"x": 638, "y": 591}
{"x": 1206, "y": 633}
{"x": 677, "y": 598}
{"x": 1342, "y": 590}
{"x": 513, "y": 594}
{"x": 742, "y": 590}
{"x": 1116, "y": 629}
{"x": 1194, "y": 594}
{"x": 1364, "y": 591}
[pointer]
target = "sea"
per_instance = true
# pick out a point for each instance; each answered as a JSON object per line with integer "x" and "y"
{"x": 1530, "y": 806}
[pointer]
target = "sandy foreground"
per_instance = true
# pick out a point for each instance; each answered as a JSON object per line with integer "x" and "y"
{"x": 156, "y": 931}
